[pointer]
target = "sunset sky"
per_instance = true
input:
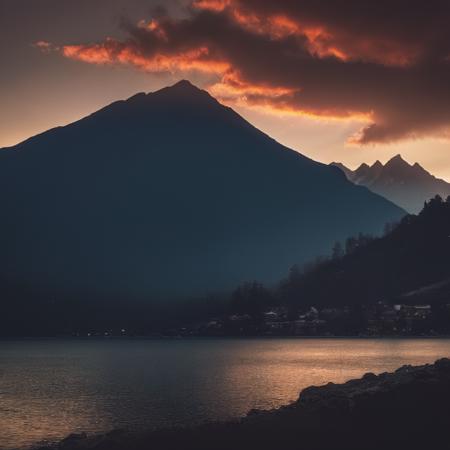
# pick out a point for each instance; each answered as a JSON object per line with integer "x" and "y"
{"x": 337, "y": 80}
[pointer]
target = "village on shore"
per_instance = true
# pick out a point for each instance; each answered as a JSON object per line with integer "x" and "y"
{"x": 377, "y": 320}
{"x": 380, "y": 319}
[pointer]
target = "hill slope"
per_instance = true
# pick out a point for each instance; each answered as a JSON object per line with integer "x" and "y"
{"x": 410, "y": 264}
{"x": 169, "y": 193}
{"x": 408, "y": 186}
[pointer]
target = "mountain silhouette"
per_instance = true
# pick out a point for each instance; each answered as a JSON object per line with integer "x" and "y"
{"x": 168, "y": 194}
{"x": 409, "y": 186}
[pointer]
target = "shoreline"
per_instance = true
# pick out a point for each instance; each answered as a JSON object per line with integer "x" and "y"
{"x": 404, "y": 409}
{"x": 214, "y": 338}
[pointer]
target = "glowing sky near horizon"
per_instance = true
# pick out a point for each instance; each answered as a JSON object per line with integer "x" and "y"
{"x": 330, "y": 82}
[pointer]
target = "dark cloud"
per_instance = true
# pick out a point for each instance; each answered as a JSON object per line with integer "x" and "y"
{"x": 387, "y": 63}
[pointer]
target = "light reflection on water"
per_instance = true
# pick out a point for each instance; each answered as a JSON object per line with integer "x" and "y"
{"x": 51, "y": 388}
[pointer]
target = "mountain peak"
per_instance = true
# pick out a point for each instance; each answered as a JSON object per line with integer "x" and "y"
{"x": 376, "y": 165}
{"x": 185, "y": 85}
{"x": 363, "y": 166}
{"x": 181, "y": 88}
{"x": 186, "y": 92}
{"x": 184, "y": 88}
{"x": 182, "y": 94}
{"x": 397, "y": 160}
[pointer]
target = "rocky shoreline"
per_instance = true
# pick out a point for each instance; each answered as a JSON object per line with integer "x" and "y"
{"x": 406, "y": 409}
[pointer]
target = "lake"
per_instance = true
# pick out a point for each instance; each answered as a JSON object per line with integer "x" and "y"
{"x": 51, "y": 388}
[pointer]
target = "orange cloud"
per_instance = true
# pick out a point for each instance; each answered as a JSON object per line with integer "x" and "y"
{"x": 113, "y": 52}
{"x": 231, "y": 86}
{"x": 277, "y": 100}
{"x": 211, "y": 5}
{"x": 95, "y": 54}
{"x": 322, "y": 40}
{"x": 277, "y": 27}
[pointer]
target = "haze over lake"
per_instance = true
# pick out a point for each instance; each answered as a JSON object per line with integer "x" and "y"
{"x": 51, "y": 388}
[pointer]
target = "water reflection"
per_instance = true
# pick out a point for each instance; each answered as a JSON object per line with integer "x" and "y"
{"x": 49, "y": 389}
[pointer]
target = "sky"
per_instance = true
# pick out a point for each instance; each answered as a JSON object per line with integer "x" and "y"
{"x": 338, "y": 80}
